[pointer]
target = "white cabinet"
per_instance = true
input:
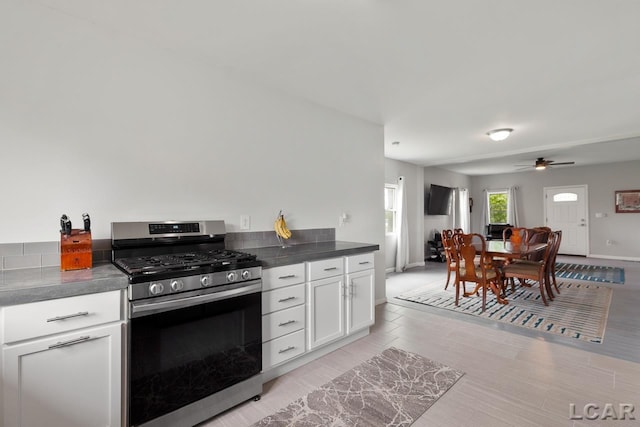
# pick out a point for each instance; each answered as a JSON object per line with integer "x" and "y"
{"x": 360, "y": 292}
{"x": 360, "y": 300}
{"x": 65, "y": 367}
{"x": 283, "y": 319}
{"x": 325, "y": 302}
{"x": 325, "y": 308}
{"x": 339, "y": 304}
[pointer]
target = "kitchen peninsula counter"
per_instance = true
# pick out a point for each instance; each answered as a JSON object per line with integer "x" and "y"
{"x": 274, "y": 256}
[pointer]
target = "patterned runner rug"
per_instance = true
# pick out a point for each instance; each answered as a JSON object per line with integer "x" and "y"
{"x": 580, "y": 310}
{"x": 593, "y": 273}
{"x": 393, "y": 388}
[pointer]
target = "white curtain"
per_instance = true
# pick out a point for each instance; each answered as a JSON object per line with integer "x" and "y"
{"x": 402, "y": 252}
{"x": 512, "y": 209}
{"x": 484, "y": 213}
{"x": 461, "y": 215}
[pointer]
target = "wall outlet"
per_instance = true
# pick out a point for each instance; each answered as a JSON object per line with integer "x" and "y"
{"x": 245, "y": 222}
{"x": 343, "y": 218}
{"x": 610, "y": 242}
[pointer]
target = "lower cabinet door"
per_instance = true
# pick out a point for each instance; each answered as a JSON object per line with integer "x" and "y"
{"x": 325, "y": 311}
{"x": 71, "y": 380}
{"x": 360, "y": 300}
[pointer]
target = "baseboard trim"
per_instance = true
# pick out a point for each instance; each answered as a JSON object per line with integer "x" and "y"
{"x": 412, "y": 265}
{"x": 416, "y": 264}
{"x": 618, "y": 258}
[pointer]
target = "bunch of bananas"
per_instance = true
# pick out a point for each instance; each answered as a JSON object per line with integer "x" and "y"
{"x": 281, "y": 227}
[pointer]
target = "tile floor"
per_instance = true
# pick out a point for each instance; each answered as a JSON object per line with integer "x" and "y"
{"x": 512, "y": 379}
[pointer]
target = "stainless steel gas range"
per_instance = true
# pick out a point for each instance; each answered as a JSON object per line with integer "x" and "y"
{"x": 194, "y": 321}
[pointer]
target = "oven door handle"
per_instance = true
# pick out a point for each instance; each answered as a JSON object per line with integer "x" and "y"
{"x": 146, "y": 309}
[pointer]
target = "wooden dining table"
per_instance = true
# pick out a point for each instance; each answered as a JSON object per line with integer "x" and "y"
{"x": 498, "y": 248}
{"x": 510, "y": 251}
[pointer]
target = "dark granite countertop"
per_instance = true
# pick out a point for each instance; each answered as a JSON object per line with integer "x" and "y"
{"x": 274, "y": 256}
{"x": 39, "y": 284}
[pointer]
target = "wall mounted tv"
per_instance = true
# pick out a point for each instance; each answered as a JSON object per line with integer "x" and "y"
{"x": 438, "y": 200}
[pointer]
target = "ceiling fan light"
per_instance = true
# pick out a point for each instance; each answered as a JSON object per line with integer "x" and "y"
{"x": 499, "y": 134}
{"x": 540, "y": 167}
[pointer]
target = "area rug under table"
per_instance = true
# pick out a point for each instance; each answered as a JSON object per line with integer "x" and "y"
{"x": 580, "y": 311}
{"x": 592, "y": 273}
{"x": 393, "y": 388}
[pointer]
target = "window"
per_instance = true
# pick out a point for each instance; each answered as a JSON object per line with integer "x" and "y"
{"x": 565, "y": 197}
{"x": 497, "y": 204}
{"x": 390, "y": 191}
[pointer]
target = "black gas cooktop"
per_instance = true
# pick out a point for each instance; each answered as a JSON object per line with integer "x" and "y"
{"x": 142, "y": 268}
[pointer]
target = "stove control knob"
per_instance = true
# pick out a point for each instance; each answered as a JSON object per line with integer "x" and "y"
{"x": 156, "y": 288}
{"x": 177, "y": 285}
{"x": 232, "y": 276}
{"x": 246, "y": 275}
{"x": 205, "y": 281}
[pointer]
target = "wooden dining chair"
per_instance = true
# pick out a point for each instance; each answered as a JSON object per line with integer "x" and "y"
{"x": 551, "y": 266}
{"x": 475, "y": 266}
{"x": 450, "y": 258}
{"x": 532, "y": 270}
{"x": 538, "y": 235}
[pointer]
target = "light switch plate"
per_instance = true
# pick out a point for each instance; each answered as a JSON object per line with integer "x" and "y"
{"x": 245, "y": 222}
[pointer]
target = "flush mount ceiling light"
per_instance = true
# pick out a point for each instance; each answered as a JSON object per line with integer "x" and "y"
{"x": 499, "y": 134}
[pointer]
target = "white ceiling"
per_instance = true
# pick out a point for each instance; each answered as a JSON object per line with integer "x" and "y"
{"x": 564, "y": 74}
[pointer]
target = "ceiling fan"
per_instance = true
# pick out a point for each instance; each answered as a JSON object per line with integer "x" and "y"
{"x": 541, "y": 164}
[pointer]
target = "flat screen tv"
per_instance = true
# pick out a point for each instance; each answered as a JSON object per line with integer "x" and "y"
{"x": 438, "y": 200}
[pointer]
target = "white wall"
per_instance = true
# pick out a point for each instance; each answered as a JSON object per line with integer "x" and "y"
{"x": 602, "y": 182}
{"x": 414, "y": 187}
{"x": 93, "y": 121}
{"x": 434, "y": 175}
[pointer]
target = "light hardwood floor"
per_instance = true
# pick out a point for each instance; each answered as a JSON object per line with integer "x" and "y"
{"x": 511, "y": 378}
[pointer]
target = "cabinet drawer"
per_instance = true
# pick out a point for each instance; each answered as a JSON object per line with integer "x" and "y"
{"x": 60, "y": 315}
{"x": 359, "y": 262}
{"x": 326, "y": 268}
{"x": 283, "y": 322}
{"x": 281, "y": 298}
{"x": 282, "y": 349}
{"x": 277, "y": 277}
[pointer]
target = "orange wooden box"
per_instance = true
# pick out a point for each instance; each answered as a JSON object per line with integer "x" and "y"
{"x": 75, "y": 250}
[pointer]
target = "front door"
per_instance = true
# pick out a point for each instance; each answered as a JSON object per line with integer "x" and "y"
{"x": 566, "y": 210}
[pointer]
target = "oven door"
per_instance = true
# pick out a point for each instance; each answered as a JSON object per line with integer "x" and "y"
{"x": 183, "y": 350}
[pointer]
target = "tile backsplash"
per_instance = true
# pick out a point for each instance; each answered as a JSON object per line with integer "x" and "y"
{"x": 47, "y": 254}
{"x": 260, "y": 239}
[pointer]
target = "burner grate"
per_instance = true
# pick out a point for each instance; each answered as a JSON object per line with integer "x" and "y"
{"x": 182, "y": 261}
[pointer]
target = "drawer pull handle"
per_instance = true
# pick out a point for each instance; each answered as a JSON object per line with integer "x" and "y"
{"x": 68, "y": 316}
{"x": 330, "y": 268}
{"x": 287, "y": 323}
{"x": 363, "y": 262}
{"x": 286, "y": 299}
{"x": 70, "y": 342}
{"x": 284, "y": 350}
{"x": 288, "y": 276}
